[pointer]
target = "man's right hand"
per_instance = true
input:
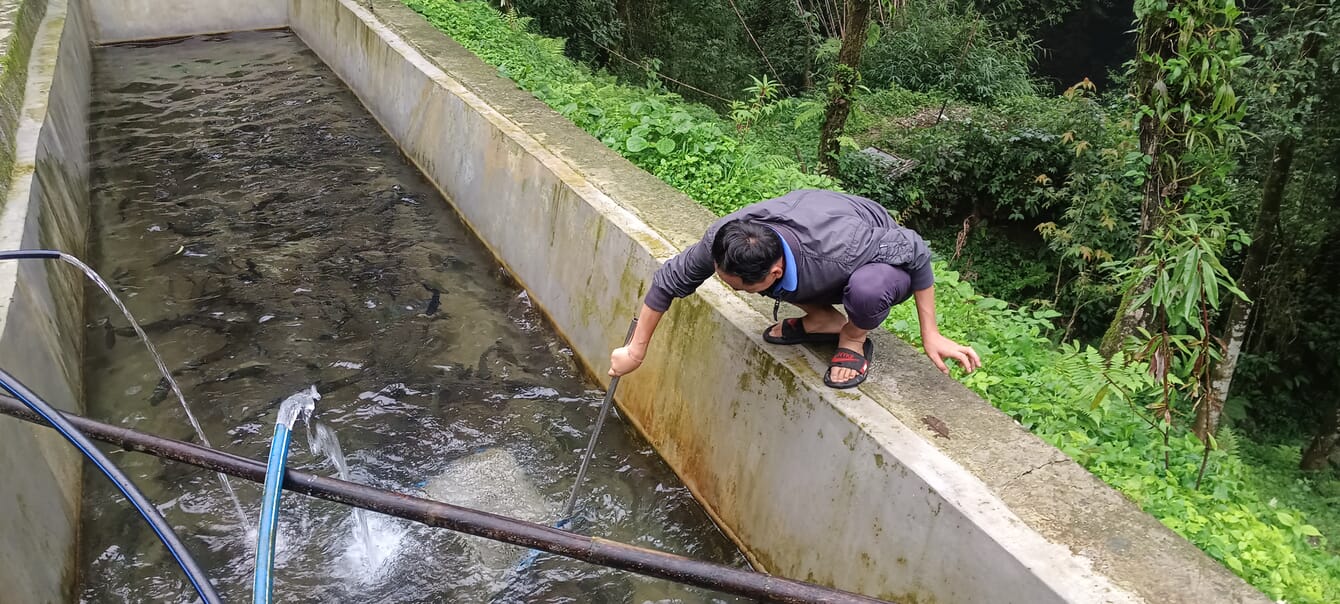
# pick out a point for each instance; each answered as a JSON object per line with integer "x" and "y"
{"x": 624, "y": 361}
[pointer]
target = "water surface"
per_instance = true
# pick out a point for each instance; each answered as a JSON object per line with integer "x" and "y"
{"x": 270, "y": 236}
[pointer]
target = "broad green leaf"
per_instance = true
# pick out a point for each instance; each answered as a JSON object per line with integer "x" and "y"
{"x": 1191, "y": 295}
{"x": 1098, "y": 399}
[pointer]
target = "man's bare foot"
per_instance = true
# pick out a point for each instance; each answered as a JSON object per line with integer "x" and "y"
{"x": 843, "y": 374}
{"x": 816, "y": 322}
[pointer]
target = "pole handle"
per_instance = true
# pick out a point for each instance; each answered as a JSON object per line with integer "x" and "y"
{"x": 595, "y": 432}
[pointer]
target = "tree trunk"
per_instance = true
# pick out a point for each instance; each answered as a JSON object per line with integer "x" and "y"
{"x": 1155, "y": 38}
{"x": 1263, "y": 238}
{"x": 1315, "y": 456}
{"x": 1326, "y": 441}
{"x": 845, "y": 77}
{"x": 1126, "y": 321}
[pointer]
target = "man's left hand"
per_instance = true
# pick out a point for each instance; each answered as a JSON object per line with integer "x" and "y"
{"x": 941, "y": 349}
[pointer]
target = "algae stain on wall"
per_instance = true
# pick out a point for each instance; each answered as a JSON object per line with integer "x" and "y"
{"x": 26, "y": 16}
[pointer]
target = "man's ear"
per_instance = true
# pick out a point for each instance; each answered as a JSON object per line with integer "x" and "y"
{"x": 777, "y": 270}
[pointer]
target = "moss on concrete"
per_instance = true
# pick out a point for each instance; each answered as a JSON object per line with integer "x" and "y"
{"x": 21, "y": 19}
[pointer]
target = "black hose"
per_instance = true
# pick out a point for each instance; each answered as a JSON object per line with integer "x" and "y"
{"x": 127, "y": 488}
{"x": 30, "y": 255}
{"x": 132, "y": 494}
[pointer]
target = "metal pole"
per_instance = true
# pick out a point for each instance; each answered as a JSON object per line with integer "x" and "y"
{"x": 595, "y": 432}
{"x": 595, "y": 550}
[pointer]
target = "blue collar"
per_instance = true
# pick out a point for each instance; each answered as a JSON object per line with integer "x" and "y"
{"x": 789, "y": 279}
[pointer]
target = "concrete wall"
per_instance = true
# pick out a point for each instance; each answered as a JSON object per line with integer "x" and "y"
{"x": 122, "y": 20}
{"x": 841, "y": 488}
{"x": 41, "y": 306}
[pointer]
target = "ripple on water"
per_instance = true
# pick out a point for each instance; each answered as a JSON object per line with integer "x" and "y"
{"x": 270, "y": 236}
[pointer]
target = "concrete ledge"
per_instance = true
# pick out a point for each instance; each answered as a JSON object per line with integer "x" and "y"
{"x": 41, "y": 310}
{"x": 815, "y": 484}
{"x": 19, "y": 20}
{"x": 124, "y": 20}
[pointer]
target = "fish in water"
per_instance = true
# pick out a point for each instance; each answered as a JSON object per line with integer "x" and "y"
{"x": 248, "y": 369}
{"x": 434, "y": 302}
{"x": 160, "y": 392}
{"x": 252, "y": 274}
{"x": 108, "y": 332}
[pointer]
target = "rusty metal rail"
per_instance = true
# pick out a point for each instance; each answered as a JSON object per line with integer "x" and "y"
{"x": 594, "y": 550}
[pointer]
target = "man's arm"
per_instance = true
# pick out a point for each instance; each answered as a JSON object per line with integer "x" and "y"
{"x": 681, "y": 275}
{"x": 938, "y": 347}
{"x": 677, "y": 278}
{"x": 626, "y": 359}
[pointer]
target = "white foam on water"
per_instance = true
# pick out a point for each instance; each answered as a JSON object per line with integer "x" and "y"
{"x": 367, "y": 562}
{"x": 492, "y": 481}
{"x": 536, "y": 392}
{"x": 321, "y": 440}
{"x": 377, "y": 397}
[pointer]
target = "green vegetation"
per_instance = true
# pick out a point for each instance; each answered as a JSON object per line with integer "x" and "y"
{"x": 685, "y": 144}
{"x": 1254, "y": 511}
{"x": 1062, "y": 207}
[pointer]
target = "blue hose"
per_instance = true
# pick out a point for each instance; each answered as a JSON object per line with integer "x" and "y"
{"x": 265, "y": 542}
{"x": 132, "y": 494}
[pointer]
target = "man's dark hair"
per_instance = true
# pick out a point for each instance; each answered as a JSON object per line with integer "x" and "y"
{"x": 746, "y": 250}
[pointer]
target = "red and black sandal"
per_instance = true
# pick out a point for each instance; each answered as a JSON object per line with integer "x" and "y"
{"x": 793, "y": 332}
{"x": 850, "y": 359}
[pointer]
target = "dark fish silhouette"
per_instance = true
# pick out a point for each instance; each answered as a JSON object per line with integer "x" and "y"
{"x": 435, "y": 302}
{"x": 160, "y": 392}
{"x": 108, "y": 332}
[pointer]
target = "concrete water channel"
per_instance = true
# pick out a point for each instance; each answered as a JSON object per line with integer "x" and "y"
{"x": 849, "y": 489}
{"x": 270, "y": 237}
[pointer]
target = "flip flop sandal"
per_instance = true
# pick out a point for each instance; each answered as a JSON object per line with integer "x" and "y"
{"x": 850, "y": 359}
{"x": 793, "y": 332}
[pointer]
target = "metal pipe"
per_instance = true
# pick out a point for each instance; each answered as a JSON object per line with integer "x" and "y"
{"x": 594, "y": 550}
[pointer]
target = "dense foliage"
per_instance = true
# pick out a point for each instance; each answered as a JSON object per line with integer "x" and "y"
{"x": 685, "y": 144}
{"x": 1043, "y": 201}
{"x": 932, "y": 47}
{"x": 1254, "y": 511}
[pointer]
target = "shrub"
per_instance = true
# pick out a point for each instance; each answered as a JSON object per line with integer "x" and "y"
{"x": 1092, "y": 410}
{"x": 685, "y": 144}
{"x": 923, "y": 49}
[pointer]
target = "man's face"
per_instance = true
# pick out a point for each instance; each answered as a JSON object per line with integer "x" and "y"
{"x": 739, "y": 285}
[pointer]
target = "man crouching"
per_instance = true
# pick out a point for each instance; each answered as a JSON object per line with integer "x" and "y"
{"x": 812, "y": 249}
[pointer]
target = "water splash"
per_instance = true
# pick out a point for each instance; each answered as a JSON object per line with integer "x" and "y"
{"x": 321, "y": 440}
{"x": 167, "y": 376}
{"x": 300, "y": 403}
